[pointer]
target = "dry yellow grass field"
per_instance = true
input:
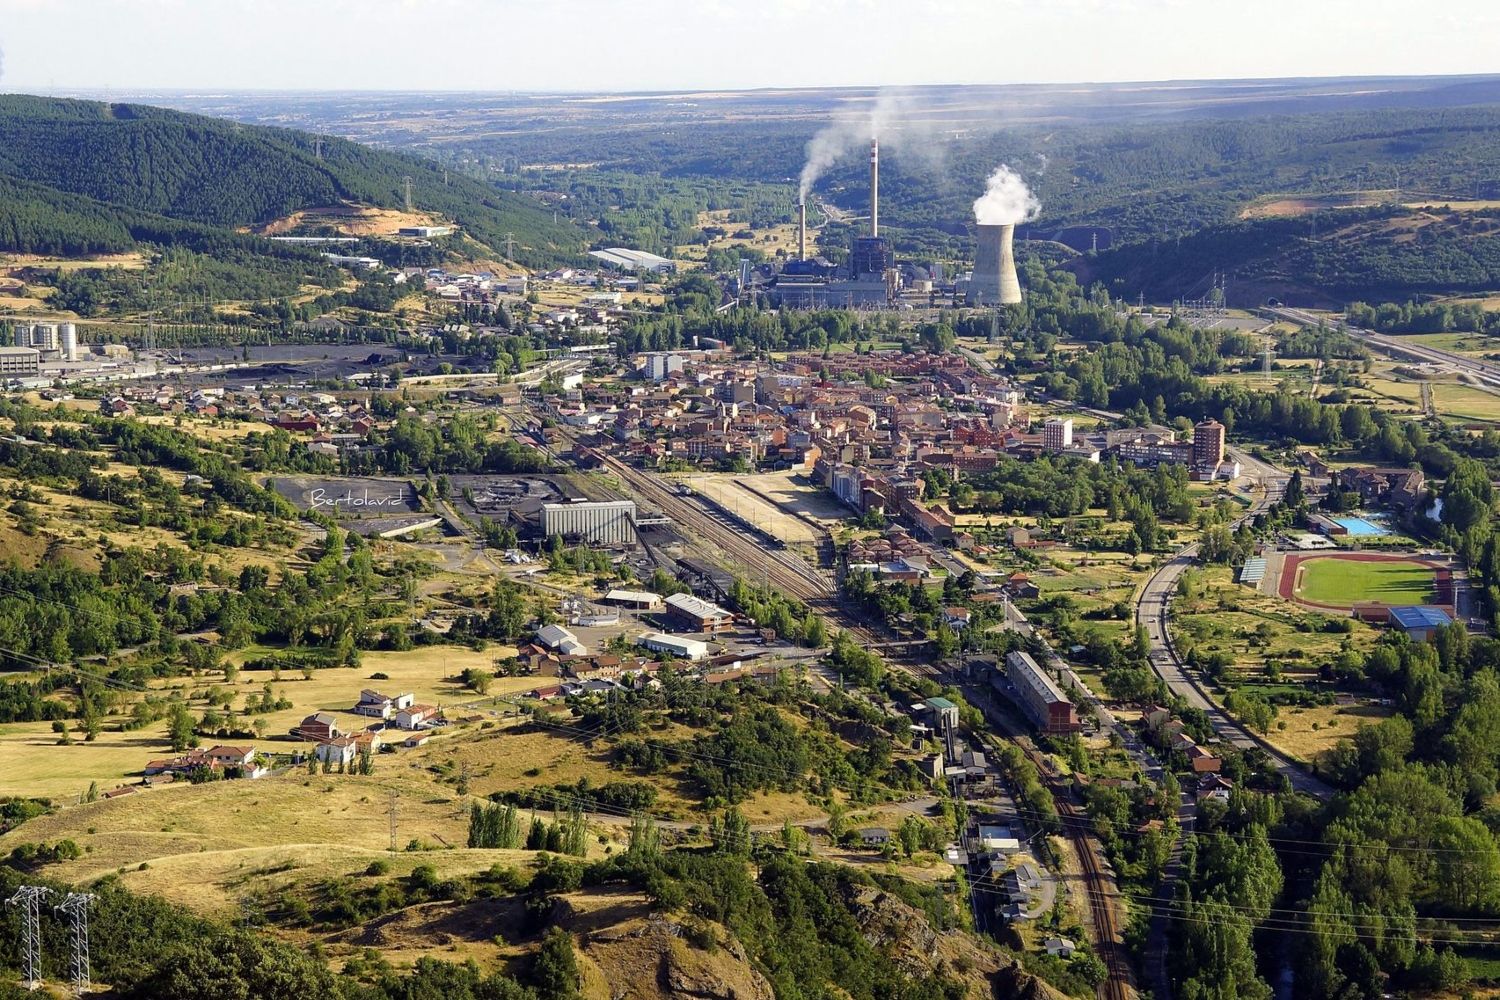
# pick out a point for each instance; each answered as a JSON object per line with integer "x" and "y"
{"x": 32, "y": 763}
{"x": 1334, "y": 722}
{"x": 429, "y": 672}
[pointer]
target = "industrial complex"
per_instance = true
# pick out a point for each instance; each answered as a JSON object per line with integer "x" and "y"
{"x": 873, "y": 278}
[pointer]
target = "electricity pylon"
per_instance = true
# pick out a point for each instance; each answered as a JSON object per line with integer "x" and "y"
{"x": 28, "y": 899}
{"x": 76, "y": 908}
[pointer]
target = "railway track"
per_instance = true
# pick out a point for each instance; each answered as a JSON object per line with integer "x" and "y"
{"x": 790, "y": 574}
{"x": 1098, "y": 884}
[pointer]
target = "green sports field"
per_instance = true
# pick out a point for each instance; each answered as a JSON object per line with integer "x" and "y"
{"x": 1345, "y": 582}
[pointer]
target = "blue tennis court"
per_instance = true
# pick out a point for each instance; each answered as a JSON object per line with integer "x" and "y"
{"x": 1361, "y": 526}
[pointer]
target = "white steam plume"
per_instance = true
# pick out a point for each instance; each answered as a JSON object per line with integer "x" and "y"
{"x": 1006, "y": 200}
{"x": 2, "y": 64}
{"x": 895, "y": 118}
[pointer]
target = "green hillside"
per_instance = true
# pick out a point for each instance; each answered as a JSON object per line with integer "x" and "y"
{"x": 1332, "y": 257}
{"x": 82, "y": 176}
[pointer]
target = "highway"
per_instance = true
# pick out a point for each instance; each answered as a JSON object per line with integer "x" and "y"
{"x": 1152, "y": 611}
{"x": 1485, "y": 372}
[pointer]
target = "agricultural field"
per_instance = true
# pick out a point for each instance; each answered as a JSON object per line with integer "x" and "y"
{"x": 1466, "y": 403}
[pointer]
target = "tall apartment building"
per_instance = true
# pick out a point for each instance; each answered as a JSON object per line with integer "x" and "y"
{"x": 1057, "y": 434}
{"x": 1208, "y": 444}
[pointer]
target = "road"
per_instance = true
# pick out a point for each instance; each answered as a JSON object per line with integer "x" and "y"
{"x": 1152, "y": 611}
{"x": 1485, "y": 372}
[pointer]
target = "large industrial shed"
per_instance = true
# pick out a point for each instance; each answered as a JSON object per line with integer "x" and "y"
{"x": 606, "y": 522}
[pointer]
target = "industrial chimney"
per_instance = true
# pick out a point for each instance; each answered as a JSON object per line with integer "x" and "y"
{"x": 874, "y": 187}
{"x": 994, "y": 281}
{"x": 801, "y": 229}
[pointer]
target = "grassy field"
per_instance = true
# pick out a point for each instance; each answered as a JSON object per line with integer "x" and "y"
{"x": 1305, "y": 733}
{"x": 1343, "y": 582}
{"x": 1465, "y": 402}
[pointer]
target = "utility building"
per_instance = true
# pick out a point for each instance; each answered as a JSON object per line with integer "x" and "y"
{"x": 1039, "y": 694}
{"x": 697, "y": 614}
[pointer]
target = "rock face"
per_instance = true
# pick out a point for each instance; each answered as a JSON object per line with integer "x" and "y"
{"x": 647, "y": 956}
{"x": 901, "y": 931}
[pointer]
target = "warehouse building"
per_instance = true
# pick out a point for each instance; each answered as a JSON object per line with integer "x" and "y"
{"x": 1039, "y": 694}
{"x": 622, "y": 259}
{"x": 608, "y": 522}
{"x": 560, "y": 640}
{"x": 698, "y": 615}
{"x": 640, "y": 600}
{"x": 674, "y": 645}
{"x": 20, "y": 362}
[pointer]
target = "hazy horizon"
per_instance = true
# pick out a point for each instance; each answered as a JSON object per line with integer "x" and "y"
{"x": 593, "y": 46}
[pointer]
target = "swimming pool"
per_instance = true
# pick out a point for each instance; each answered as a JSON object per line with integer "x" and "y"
{"x": 1361, "y": 526}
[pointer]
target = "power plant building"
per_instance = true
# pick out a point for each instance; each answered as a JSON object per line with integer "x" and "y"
{"x": 20, "y": 362}
{"x": 608, "y": 522}
{"x": 1039, "y": 695}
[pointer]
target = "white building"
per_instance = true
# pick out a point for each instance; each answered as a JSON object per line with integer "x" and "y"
{"x": 1057, "y": 434}
{"x": 660, "y": 366}
{"x": 560, "y": 640}
{"x": 678, "y": 646}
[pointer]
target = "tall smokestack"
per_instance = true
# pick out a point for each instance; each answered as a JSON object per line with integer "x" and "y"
{"x": 801, "y": 230}
{"x": 994, "y": 281}
{"x": 874, "y": 187}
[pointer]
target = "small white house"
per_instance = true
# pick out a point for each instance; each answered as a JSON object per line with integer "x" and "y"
{"x": 337, "y": 751}
{"x": 416, "y": 716}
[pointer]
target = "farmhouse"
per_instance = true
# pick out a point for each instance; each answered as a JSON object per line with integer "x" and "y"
{"x": 417, "y": 716}
{"x": 338, "y": 751}
{"x": 381, "y": 706}
{"x": 318, "y": 728}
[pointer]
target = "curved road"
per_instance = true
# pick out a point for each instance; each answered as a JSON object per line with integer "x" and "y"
{"x": 1151, "y": 611}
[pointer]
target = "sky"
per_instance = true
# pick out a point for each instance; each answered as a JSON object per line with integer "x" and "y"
{"x": 615, "y": 45}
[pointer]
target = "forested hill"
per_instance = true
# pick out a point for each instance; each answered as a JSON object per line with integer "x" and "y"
{"x": 154, "y": 162}
{"x": 1330, "y": 258}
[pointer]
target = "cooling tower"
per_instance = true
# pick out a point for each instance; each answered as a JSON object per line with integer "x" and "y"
{"x": 874, "y": 187}
{"x": 995, "y": 281}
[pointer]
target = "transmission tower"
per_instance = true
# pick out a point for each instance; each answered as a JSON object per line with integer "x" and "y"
{"x": 318, "y": 147}
{"x": 28, "y": 899}
{"x": 406, "y": 181}
{"x": 510, "y": 246}
{"x": 393, "y": 820}
{"x": 76, "y": 908}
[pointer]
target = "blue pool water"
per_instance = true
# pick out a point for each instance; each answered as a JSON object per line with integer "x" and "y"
{"x": 1359, "y": 526}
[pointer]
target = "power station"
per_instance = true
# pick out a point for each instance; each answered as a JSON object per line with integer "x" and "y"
{"x": 872, "y": 278}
